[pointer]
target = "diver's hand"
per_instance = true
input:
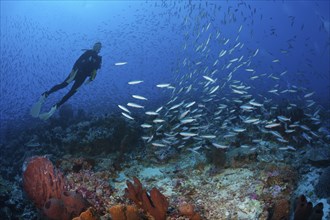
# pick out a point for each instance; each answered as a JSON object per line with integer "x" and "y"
{"x": 88, "y": 81}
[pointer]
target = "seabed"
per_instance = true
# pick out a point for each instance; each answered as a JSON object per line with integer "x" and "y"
{"x": 225, "y": 184}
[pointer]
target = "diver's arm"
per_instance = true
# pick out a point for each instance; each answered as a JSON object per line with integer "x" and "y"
{"x": 92, "y": 77}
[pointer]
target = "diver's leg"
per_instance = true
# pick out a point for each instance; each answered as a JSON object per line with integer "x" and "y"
{"x": 36, "y": 107}
{"x": 72, "y": 91}
{"x": 62, "y": 85}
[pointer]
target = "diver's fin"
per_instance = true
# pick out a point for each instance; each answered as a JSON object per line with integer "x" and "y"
{"x": 35, "y": 110}
{"x": 47, "y": 115}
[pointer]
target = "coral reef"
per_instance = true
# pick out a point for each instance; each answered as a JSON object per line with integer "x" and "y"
{"x": 97, "y": 160}
{"x": 188, "y": 210}
{"x": 281, "y": 210}
{"x": 93, "y": 186}
{"x": 89, "y": 214}
{"x": 305, "y": 211}
{"x": 124, "y": 212}
{"x": 156, "y": 204}
{"x": 74, "y": 203}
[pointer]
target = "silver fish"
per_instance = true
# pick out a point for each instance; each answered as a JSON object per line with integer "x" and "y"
{"x": 139, "y": 97}
{"x": 124, "y": 109}
{"x": 219, "y": 146}
{"x": 135, "y": 82}
{"x": 127, "y": 116}
{"x": 188, "y": 134}
{"x": 120, "y": 63}
{"x": 131, "y": 104}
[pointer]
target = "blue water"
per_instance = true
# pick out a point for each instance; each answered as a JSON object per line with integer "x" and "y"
{"x": 40, "y": 41}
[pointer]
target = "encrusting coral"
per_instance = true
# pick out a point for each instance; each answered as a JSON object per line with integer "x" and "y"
{"x": 156, "y": 204}
{"x": 188, "y": 210}
{"x": 89, "y": 214}
{"x": 124, "y": 212}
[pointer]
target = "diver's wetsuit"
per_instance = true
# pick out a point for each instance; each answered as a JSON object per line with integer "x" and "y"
{"x": 84, "y": 67}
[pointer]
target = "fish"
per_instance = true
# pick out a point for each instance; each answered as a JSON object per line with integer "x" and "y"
{"x": 127, "y": 116}
{"x": 187, "y": 120}
{"x": 214, "y": 71}
{"x": 273, "y": 125}
{"x": 239, "y": 92}
{"x": 282, "y": 140}
{"x": 304, "y": 127}
{"x": 273, "y": 91}
{"x": 310, "y": 104}
{"x": 309, "y": 94}
{"x": 159, "y": 109}
{"x": 146, "y": 125}
{"x": 151, "y": 113}
{"x": 238, "y": 130}
{"x": 222, "y": 53}
{"x": 209, "y": 78}
{"x": 283, "y": 118}
{"x": 182, "y": 115}
{"x": 256, "y": 52}
{"x": 284, "y": 72}
{"x": 135, "y": 82}
{"x": 251, "y": 120}
{"x": 219, "y": 146}
{"x": 190, "y": 104}
{"x": 164, "y": 85}
{"x": 176, "y": 106}
{"x": 256, "y": 104}
{"x": 240, "y": 28}
{"x": 124, "y": 109}
{"x": 214, "y": 89}
{"x": 195, "y": 149}
{"x": 139, "y": 97}
{"x": 158, "y": 120}
{"x": 208, "y": 136}
{"x": 288, "y": 131}
{"x": 247, "y": 107}
{"x": 306, "y": 136}
{"x": 188, "y": 134}
{"x": 233, "y": 60}
{"x": 131, "y": 104}
{"x": 156, "y": 144}
{"x": 120, "y": 63}
{"x": 254, "y": 77}
{"x": 276, "y": 134}
{"x": 245, "y": 146}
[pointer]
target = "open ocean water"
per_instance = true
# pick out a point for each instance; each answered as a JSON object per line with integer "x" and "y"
{"x": 196, "y": 110}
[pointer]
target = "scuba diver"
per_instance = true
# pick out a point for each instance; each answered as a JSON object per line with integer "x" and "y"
{"x": 86, "y": 66}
